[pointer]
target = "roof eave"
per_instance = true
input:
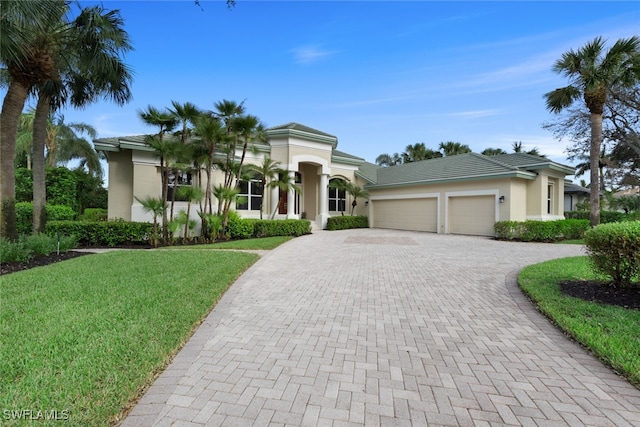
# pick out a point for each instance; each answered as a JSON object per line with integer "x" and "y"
{"x": 306, "y": 135}
{"x": 511, "y": 174}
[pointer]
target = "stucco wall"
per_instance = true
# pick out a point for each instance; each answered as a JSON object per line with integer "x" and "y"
{"x": 120, "y": 189}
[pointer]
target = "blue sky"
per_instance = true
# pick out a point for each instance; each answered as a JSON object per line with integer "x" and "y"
{"x": 378, "y": 75}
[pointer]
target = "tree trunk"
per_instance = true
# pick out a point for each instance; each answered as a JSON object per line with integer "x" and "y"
{"x": 11, "y": 110}
{"x": 39, "y": 186}
{"x": 594, "y": 161}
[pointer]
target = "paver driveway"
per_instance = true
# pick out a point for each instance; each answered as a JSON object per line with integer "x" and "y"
{"x": 382, "y": 327}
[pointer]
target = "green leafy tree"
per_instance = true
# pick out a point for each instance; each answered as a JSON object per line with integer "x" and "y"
{"x": 418, "y": 152}
{"x": 593, "y": 73}
{"x": 493, "y": 152}
{"x": 209, "y": 133}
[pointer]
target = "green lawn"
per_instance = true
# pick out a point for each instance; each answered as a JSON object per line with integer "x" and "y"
{"x": 264, "y": 243}
{"x": 612, "y": 333}
{"x": 86, "y": 336}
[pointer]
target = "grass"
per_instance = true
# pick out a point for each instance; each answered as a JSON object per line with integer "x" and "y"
{"x": 572, "y": 242}
{"x": 86, "y": 336}
{"x": 264, "y": 243}
{"x": 612, "y": 333}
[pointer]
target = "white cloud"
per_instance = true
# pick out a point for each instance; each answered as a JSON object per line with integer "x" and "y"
{"x": 307, "y": 55}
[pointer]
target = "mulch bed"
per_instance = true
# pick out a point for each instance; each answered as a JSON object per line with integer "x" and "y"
{"x": 603, "y": 293}
{"x": 38, "y": 261}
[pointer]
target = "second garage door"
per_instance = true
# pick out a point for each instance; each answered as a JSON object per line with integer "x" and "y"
{"x": 474, "y": 215}
{"x": 418, "y": 214}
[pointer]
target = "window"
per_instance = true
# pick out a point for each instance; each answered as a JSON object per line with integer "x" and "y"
{"x": 177, "y": 180}
{"x": 549, "y": 198}
{"x": 250, "y": 196}
{"x": 337, "y": 196}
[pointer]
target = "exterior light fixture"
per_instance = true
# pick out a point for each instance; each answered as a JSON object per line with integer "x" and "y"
{"x": 501, "y": 199}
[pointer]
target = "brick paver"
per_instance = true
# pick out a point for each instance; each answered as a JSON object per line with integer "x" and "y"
{"x": 381, "y": 327}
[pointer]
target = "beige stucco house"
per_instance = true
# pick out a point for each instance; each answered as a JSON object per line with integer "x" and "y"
{"x": 464, "y": 194}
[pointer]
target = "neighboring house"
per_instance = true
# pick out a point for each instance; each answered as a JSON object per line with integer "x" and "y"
{"x": 574, "y": 195}
{"x": 464, "y": 194}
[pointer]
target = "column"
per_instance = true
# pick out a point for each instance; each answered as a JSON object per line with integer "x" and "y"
{"x": 323, "y": 200}
{"x": 291, "y": 197}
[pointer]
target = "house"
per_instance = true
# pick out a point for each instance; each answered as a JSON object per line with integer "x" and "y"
{"x": 574, "y": 195}
{"x": 463, "y": 194}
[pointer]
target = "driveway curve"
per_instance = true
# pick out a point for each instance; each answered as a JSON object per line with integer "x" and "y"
{"x": 382, "y": 327}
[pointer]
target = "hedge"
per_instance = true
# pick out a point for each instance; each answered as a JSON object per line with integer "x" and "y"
{"x": 24, "y": 215}
{"x": 605, "y": 216}
{"x": 541, "y": 231}
{"x": 345, "y": 222}
{"x": 614, "y": 250}
{"x": 238, "y": 228}
{"x": 103, "y": 233}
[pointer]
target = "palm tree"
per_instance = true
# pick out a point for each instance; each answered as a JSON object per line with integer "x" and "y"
{"x": 165, "y": 122}
{"x": 389, "y": 159}
{"x": 284, "y": 183}
{"x": 450, "y": 148}
{"x": 156, "y": 207}
{"x": 593, "y": 73}
{"x": 356, "y": 191}
{"x": 418, "y": 152}
{"x": 191, "y": 194}
{"x": 25, "y": 52}
{"x": 209, "y": 132}
{"x": 493, "y": 151}
{"x": 265, "y": 171}
{"x": 86, "y": 56}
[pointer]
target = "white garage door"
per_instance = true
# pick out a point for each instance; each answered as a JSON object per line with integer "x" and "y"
{"x": 474, "y": 215}
{"x": 406, "y": 214}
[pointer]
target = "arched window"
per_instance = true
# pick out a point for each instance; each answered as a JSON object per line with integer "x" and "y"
{"x": 337, "y": 195}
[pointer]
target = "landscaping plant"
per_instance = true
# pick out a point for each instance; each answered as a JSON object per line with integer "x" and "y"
{"x": 614, "y": 250}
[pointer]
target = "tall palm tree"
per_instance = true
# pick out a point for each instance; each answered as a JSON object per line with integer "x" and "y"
{"x": 209, "y": 132}
{"x": 164, "y": 149}
{"x": 389, "y": 159}
{"x": 593, "y": 73}
{"x": 450, "y": 148}
{"x": 25, "y": 52}
{"x": 418, "y": 152}
{"x": 86, "y": 56}
{"x": 191, "y": 194}
{"x": 493, "y": 151}
{"x": 266, "y": 171}
{"x": 284, "y": 183}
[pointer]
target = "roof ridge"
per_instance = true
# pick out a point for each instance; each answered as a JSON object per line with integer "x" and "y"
{"x": 496, "y": 161}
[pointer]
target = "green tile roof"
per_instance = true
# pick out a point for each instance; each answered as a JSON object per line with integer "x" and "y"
{"x": 462, "y": 167}
{"x": 301, "y": 128}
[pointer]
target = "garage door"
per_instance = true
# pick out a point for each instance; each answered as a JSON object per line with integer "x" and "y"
{"x": 406, "y": 214}
{"x": 472, "y": 215}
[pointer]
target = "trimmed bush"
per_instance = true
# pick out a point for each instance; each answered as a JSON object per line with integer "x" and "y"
{"x": 14, "y": 251}
{"x": 238, "y": 228}
{"x": 541, "y": 231}
{"x": 346, "y": 222}
{"x": 287, "y": 227}
{"x": 24, "y": 215}
{"x": 104, "y": 233}
{"x": 614, "y": 250}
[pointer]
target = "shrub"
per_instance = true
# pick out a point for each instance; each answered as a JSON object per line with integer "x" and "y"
{"x": 345, "y": 222}
{"x": 103, "y": 233}
{"x": 287, "y": 227}
{"x": 238, "y": 228}
{"x": 93, "y": 214}
{"x": 605, "y": 216}
{"x": 13, "y": 251}
{"x": 614, "y": 250}
{"x": 541, "y": 231}
{"x": 24, "y": 215}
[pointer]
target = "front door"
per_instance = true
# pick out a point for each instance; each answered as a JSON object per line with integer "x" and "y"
{"x": 282, "y": 209}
